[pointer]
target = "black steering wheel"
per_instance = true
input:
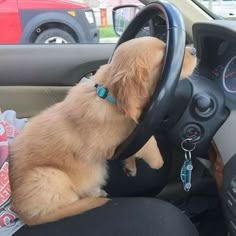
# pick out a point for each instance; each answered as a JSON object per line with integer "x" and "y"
{"x": 166, "y": 86}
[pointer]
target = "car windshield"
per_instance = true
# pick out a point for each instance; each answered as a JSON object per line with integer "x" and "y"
{"x": 222, "y": 8}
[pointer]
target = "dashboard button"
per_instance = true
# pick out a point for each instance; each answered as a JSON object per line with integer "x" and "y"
{"x": 232, "y": 188}
{"x": 233, "y": 191}
{"x": 234, "y": 181}
{"x": 231, "y": 203}
{"x": 232, "y": 227}
{"x": 204, "y": 105}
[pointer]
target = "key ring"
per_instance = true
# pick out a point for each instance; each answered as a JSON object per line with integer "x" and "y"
{"x": 187, "y": 140}
{"x": 188, "y": 155}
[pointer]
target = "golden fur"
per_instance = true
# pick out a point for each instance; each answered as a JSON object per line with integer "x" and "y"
{"x": 58, "y": 162}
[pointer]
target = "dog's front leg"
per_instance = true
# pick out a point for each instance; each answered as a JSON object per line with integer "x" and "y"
{"x": 149, "y": 153}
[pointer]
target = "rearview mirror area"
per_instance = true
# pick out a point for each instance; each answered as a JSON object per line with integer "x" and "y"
{"x": 122, "y": 15}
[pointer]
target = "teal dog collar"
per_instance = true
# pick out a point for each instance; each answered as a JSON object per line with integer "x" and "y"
{"x": 102, "y": 92}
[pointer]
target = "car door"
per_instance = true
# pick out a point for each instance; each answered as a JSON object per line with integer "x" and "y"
{"x": 10, "y": 28}
{"x": 34, "y": 77}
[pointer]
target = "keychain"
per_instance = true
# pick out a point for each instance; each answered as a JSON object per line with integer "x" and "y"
{"x": 186, "y": 170}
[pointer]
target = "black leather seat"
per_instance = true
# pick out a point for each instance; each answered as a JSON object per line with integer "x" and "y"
{"x": 121, "y": 217}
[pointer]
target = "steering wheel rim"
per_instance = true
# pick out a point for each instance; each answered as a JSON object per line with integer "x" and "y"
{"x": 166, "y": 86}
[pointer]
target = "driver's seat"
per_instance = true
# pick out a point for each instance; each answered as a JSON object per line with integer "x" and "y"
{"x": 121, "y": 217}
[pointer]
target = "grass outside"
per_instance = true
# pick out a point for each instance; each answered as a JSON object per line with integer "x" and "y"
{"x": 107, "y": 32}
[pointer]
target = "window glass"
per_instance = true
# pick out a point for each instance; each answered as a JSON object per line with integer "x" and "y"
{"x": 223, "y": 8}
{"x": 58, "y": 21}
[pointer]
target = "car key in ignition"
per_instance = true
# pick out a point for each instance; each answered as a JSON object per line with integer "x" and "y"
{"x": 186, "y": 170}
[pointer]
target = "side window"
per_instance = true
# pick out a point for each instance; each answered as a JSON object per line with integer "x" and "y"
{"x": 223, "y": 8}
{"x": 58, "y": 21}
{"x": 104, "y": 21}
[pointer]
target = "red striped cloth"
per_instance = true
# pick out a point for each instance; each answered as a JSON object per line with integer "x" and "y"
{"x": 7, "y": 215}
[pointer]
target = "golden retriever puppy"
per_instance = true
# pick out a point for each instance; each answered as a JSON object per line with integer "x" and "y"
{"x": 58, "y": 162}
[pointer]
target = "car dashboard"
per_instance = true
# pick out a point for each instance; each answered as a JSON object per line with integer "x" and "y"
{"x": 215, "y": 80}
{"x": 216, "y": 46}
{"x": 206, "y": 103}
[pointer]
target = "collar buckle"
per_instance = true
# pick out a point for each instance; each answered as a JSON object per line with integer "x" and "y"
{"x": 101, "y": 91}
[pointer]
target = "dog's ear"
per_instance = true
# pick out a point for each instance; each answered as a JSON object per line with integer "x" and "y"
{"x": 130, "y": 87}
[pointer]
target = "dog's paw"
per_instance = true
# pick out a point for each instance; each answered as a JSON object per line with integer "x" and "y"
{"x": 100, "y": 201}
{"x": 130, "y": 171}
{"x": 156, "y": 163}
{"x": 103, "y": 193}
{"x": 98, "y": 193}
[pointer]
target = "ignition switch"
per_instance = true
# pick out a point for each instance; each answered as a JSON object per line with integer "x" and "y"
{"x": 192, "y": 131}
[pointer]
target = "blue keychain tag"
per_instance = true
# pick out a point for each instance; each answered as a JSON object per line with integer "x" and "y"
{"x": 186, "y": 170}
{"x": 186, "y": 174}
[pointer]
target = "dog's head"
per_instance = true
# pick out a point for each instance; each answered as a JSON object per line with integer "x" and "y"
{"x": 132, "y": 75}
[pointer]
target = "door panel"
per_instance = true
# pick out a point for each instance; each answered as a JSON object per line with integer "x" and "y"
{"x": 50, "y": 65}
{"x": 28, "y": 101}
{"x": 33, "y": 78}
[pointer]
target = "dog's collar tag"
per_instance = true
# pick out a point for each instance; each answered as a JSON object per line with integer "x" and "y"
{"x": 102, "y": 92}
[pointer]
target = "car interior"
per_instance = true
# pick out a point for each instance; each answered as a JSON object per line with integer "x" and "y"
{"x": 200, "y": 108}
